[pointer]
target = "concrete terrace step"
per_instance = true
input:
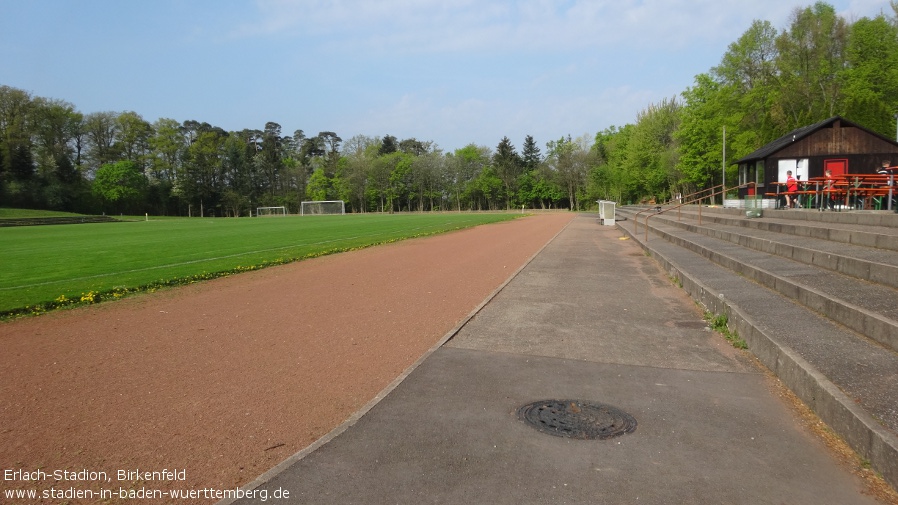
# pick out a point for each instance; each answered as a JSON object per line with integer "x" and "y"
{"x": 792, "y": 315}
{"x": 867, "y": 229}
{"x": 865, "y": 262}
{"x": 866, "y": 307}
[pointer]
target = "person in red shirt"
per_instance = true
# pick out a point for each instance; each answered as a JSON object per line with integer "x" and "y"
{"x": 791, "y": 188}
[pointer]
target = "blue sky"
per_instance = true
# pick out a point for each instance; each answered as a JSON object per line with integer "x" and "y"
{"x": 448, "y": 71}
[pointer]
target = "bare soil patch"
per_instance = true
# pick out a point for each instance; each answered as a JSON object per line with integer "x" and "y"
{"x": 227, "y": 378}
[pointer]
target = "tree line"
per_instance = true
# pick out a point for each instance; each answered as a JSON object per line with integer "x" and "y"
{"x": 768, "y": 83}
{"x": 54, "y": 157}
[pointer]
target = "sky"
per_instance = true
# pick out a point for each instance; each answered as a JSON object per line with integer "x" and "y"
{"x": 453, "y": 72}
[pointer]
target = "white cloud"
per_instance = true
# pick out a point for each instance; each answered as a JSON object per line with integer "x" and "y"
{"x": 540, "y": 25}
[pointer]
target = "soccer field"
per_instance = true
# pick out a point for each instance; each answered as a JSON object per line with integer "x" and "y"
{"x": 47, "y": 266}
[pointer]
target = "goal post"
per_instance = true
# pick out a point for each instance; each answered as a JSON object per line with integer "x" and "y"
{"x": 271, "y": 211}
{"x": 322, "y": 207}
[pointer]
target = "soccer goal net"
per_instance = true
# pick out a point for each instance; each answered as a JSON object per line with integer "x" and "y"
{"x": 322, "y": 207}
{"x": 271, "y": 211}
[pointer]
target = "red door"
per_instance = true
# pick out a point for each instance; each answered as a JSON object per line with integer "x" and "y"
{"x": 838, "y": 167}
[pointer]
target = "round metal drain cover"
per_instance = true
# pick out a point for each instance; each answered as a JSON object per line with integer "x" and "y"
{"x": 577, "y": 419}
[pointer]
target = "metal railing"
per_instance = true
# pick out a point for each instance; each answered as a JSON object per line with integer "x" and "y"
{"x": 695, "y": 198}
{"x": 684, "y": 200}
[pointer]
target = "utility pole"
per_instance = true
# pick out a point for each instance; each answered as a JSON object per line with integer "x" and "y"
{"x": 723, "y": 168}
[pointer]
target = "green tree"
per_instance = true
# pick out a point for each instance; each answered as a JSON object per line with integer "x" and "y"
{"x": 749, "y": 88}
{"x": 427, "y": 179}
{"x": 330, "y": 142}
{"x": 486, "y": 190}
{"x": 360, "y": 153}
{"x": 871, "y": 77}
{"x": 414, "y": 146}
{"x": 610, "y": 178}
{"x": 388, "y": 145}
{"x": 120, "y": 185}
{"x": 53, "y": 125}
{"x": 539, "y": 188}
{"x": 400, "y": 180}
{"x": 811, "y": 55}
{"x": 508, "y": 167}
{"x": 652, "y": 151}
{"x": 201, "y": 180}
{"x": 750, "y": 62}
{"x": 570, "y": 162}
{"x": 240, "y": 193}
{"x": 416, "y": 178}
{"x": 167, "y": 146}
{"x": 462, "y": 166}
{"x": 268, "y": 159}
{"x": 319, "y": 187}
{"x": 17, "y": 167}
{"x": 311, "y": 149}
{"x": 530, "y": 154}
{"x": 132, "y": 139}
{"x": 22, "y": 184}
{"x": 101, "y": 131}
{"x": 700, "y": 134}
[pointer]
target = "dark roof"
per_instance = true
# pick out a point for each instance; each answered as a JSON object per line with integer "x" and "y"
{"x": 787, "y": 139}
{"x": 800, "y": 133}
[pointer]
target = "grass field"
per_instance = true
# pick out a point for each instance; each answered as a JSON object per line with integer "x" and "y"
{"x": 44, "y": 267}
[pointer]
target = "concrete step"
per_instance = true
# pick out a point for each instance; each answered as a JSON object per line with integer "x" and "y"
{"x": 866, "y": 262}
{"x": 863, "y": 305}
{"x": 795, "y": 318}
{"x": 868, "y": 229}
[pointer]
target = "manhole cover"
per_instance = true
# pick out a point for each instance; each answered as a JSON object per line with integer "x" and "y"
{"x": 577, "y": 419}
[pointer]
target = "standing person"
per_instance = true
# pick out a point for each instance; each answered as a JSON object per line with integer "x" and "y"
{"x": 888, "y": 170}
{"x": 791, "y": 188}
{"x": 828, "y": 185}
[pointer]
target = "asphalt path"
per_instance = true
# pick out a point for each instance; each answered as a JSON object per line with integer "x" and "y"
{"x": 590, "y": 319}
